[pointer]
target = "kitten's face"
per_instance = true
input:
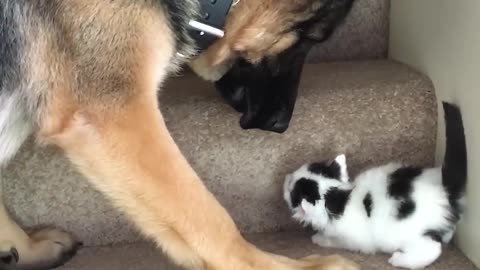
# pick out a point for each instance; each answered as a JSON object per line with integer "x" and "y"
{"x": 304, "y": 190}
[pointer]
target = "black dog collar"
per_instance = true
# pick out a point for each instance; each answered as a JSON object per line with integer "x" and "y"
{"x": 208, "y": 28}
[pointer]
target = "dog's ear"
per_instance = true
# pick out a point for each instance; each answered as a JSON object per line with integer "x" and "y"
{"x": 222, "y": 54}
{"x": 256, "y": 46}
{"x": 255, "y": 30}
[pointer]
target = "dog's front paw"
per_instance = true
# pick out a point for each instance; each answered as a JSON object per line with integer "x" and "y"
{"x": 8, "y": 256}
{"x": 50, "y": 248}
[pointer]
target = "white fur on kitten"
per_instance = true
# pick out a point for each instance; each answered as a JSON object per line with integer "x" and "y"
{"x": 382, "y": 231}
{"x": 406, "y": 211}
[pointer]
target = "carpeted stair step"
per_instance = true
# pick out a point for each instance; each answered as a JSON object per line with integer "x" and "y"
{"x": 142, "y": 256}
{"x": 373, "y": 111}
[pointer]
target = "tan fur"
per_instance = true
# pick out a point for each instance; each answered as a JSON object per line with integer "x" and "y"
{"x": 255, "y": 30}
{"x": 100, "y": 107}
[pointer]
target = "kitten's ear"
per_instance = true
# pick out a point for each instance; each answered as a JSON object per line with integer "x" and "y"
{"x": 287, "y": 189}
{"x": 341, "y": 160}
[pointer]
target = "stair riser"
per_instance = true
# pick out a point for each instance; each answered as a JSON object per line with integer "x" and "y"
{"x": 363, "y": 35}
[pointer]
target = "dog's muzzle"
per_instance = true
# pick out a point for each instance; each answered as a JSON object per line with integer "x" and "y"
{"x": 261, "y": 102}
{"x": 265, "y": 93}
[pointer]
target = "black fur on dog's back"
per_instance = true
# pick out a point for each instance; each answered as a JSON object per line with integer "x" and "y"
{"x": 11, "y": 44}
{"x": 266, "y": 93}
{"x": 179, "y": 13}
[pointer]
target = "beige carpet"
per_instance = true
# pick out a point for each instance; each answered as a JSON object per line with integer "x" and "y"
{"x": 373, "y": 111}
{"x": 145, "y": 257}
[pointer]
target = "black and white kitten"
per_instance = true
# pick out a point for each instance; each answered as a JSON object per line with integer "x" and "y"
{"x": 407, "y": 211}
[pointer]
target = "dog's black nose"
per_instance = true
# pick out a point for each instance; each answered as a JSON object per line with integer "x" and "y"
{"x": 264, "y": 102}
{"x": 276, "y": 120}
{"x": 266, "y": 92}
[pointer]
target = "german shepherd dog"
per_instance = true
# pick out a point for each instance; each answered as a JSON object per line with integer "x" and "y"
{"x": 265, "y": 92}
{"x": 83, "y": 75}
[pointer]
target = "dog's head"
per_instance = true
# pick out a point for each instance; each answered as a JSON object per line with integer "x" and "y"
{"x": 258, "y": 63}
{"x": 265, "y": 93}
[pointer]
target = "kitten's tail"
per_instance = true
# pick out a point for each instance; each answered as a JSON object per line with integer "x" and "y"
{"x": 454, "y": 169}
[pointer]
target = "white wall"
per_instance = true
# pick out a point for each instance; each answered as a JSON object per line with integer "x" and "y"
{"x": 441, "y": 38}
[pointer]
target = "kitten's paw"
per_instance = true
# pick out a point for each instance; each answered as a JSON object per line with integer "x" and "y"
{"x": 418, "y": 256}
{"x": 323, "y": 241}
{"x": 396, "y": 259}
{"x": 400, "y": 260}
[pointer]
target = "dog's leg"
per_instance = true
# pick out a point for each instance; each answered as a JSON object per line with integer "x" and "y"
{"x": 128, "y": 154}
{"x": 44, "y": 248}
{"x": 138, "y": 166}
{"x": 179, "y": 251}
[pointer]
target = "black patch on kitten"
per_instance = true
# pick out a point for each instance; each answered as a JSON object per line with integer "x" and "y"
{"x": 304, "y": 189}
{"x": 401, "y": 182}
{"x": 435, "y": 235}
{"x": 401, "y": 188}
{"x": 368, "y": 204}
{"x": 336, "y": 201}
{"x": 327, "y": 170}
{"x": 405, "y": 209}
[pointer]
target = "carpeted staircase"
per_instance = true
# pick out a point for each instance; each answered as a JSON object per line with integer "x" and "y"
{"x": 372, "y": 109}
